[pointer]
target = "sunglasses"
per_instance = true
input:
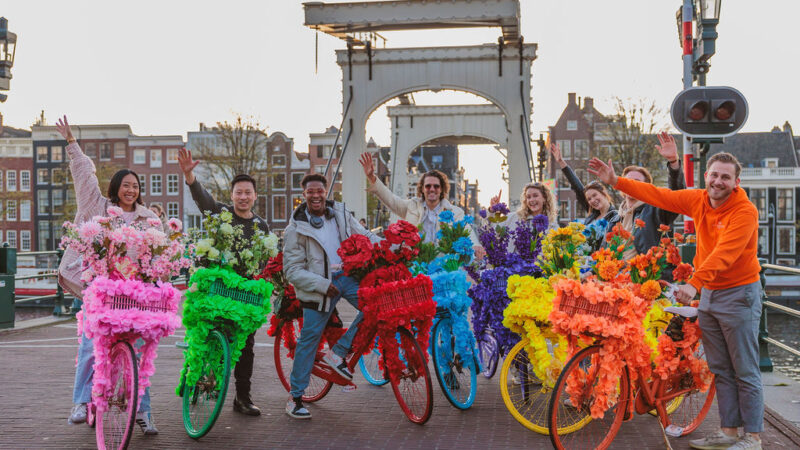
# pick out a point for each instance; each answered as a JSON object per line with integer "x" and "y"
{"x": 432, "y": 186}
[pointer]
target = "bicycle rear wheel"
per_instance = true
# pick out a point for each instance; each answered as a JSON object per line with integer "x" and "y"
{"x": 114, "y": 426}
{"x": 203, "y": 402}
{"x": 317, "y": 387}
{"x": 370, "y": 367}
{"x": 489, "y": 353}
{"x": 456, "y": 376}
{"x": 525, "y": 396}
{"x": 570, "y": 422}
{"x": 694, "y": 404}
{"x": 413, "y": 387}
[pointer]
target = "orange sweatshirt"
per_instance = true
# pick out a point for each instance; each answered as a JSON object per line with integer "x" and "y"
{"x": 727, "y": 236}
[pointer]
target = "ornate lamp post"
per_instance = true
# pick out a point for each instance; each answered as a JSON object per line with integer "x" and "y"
{"x": 541, "y": 156}
{"x": 8, "y": 45}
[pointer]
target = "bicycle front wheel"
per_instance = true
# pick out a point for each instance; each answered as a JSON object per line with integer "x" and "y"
{"x": 284, "y": 360}
{"x": 570, "y": 422}
{"x": 413, "y": 387}
{"x": 456, "y": 375}
{"x": 203, "y": 402}
{"x": 369, "y": 365}
{"x": 489, "y": 353}
{"x": 114, "y": 426}
{"x": 524, "y": 394}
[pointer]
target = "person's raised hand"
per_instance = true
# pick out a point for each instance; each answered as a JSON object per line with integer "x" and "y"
{"x": 187, "y": 164}
{"x": 555, "y": 150}
{"x": 62, "y": 126}
{"x": 368, "y": 165}
{"x": 603, "y": 171}
{"x": 668, "y": 149}
{"x": 496, "y": 199}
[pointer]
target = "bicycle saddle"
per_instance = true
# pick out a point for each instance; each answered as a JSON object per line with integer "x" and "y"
{"x": 683, "y": 311}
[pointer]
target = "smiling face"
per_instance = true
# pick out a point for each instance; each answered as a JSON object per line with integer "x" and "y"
{"x": 243, "y": 196}
{"x": 315, "y": 194}
{"x": 432, "y": 188}
{"x": 720, "y": 181}
{"x": 534, "y": 200}
{"x": 597, "y": 200}
{"x": 128, "y": 192}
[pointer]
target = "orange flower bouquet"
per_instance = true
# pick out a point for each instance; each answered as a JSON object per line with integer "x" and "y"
{"x": 677, "y": 354}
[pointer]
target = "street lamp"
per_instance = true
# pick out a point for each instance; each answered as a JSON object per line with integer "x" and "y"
{"x": 541, "y": 156}
{"x": 707, "y": 21}
{"x": 8, "y": 45}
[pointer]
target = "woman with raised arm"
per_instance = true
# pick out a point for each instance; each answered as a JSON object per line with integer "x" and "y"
{"x": 593, "y": 196}
{"x": 535, "y": 199}
{"x": 123, "y": 191}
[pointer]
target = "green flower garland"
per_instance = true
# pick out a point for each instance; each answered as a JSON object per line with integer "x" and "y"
{"x": 202, "y": 312}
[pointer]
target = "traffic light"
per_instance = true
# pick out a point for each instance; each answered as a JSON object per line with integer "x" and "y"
{"x": 709, "y": 111}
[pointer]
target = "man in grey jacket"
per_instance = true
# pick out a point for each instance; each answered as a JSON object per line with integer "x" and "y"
{"x": 310, "y": 262}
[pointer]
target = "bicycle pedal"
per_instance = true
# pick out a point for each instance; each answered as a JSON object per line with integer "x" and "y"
{"x": 349, "y": 388}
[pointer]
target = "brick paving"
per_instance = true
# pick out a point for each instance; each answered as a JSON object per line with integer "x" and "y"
{"x": 37, "y": 369}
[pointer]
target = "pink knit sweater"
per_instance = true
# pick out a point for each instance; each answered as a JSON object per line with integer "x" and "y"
{"x": 91, "y": 202}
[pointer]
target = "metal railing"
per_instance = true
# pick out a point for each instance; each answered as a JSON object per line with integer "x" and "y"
{"x": 59, "y": 308}
{"x": 765, "y": 362}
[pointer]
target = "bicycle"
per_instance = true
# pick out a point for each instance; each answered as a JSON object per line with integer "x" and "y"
{"x": 412, "y": 385}
{"x": 218, "y": 318}
{"x": 457, "y": 374}
{"x": 679, "y": 401}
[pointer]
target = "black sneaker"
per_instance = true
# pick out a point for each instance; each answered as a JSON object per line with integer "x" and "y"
{"x": 296, "y": 409}
{"x": 338, "y": 364}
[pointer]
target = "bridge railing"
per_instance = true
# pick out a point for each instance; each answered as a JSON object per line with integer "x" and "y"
{"x": 764, "y": 340}
{"x": 59, "y": 298}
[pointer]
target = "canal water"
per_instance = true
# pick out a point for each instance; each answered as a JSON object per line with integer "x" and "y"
{"x": 786, "y": 329}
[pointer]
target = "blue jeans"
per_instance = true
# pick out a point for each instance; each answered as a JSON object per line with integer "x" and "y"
{"x": 84, "y": 370}
{"x": 313, "y": 325}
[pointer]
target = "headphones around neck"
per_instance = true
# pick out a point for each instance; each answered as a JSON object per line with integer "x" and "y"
{"x": 317, "y": 221}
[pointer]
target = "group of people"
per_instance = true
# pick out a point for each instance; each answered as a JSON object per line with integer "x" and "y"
{"x": 726, "y": 267}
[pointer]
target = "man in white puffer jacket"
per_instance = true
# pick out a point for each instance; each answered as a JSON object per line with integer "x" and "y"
{"x": 310, "y": 262}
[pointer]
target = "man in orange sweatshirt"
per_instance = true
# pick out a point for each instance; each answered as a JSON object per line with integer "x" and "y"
{"x": 727, "y": 278}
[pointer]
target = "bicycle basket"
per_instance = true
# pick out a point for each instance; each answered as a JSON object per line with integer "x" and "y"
{"x": 401, "y": 294}
{"x": 125, "y": 302}
{"x": 572, "y": 305}
{"x": 219, "y": 288}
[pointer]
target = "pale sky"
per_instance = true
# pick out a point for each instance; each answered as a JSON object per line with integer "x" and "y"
{"x": 165, "y": 66}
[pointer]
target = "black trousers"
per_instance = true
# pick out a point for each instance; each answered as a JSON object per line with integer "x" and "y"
{"x": 244, "y": 369}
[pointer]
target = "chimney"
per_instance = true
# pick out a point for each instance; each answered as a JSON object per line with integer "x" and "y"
{"x": 588, "y": 104}
{"x": 202, "y": 126}
{"x": 571, "y": 98}
{"x": 1, "y": 124}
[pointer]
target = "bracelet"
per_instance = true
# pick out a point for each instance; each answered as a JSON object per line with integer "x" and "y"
{"x": 672, "y": 162}
{"x": 70, "y": 141}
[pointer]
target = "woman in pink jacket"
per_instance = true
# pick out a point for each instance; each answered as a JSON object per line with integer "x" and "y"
{"x": 123, "y": 191}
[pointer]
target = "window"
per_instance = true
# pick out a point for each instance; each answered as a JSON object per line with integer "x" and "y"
{"x": 142, "y": 184}
{"x": 57, "y": 177}
{"x": 785, "y": 262}
{"x": 297, "y": 179}
{"x": 25, "y": 180}
{"x": 140, "y": 156}
{"x": 42, "y": 176}
{"x": 563, "y": 210}
{"x": 770, "y": 163}
{"x": 11, "y": 210}
{"x": 581, "y": 174}
{"x": 436, "y": 161}
{"x": 172, "y": 156}
{"x": 90, "y": 150}
{"x": 785, "y": 240}
{"x": 155, "y": 184}
{"x": 172, "y": 184}
{"x": 581, "y": 149}
{"x": 279, "y": 160}
{"x": 759, "y": 198}
{"x": 58, "y": 202}
{"x": 11, "y": 180}
{"x": 43, "y": 203}
{"x": 56, "y": 153}
{"x": 572, "y": 125}
{"x": 119, "y": 149}
{"x": 44, "y": 235}
{"x": 320, "y": 153}
{"x": 763, "y": 241}
{"x": 279, "y": 208}
{"x": 25, "y": 240}
{"x": 25, "y": 210}
{"x": 786, "y": 204}
{"x": 565, "y": 148}
{"x": 11, "y": 238}
{"x": 195, "y": 221}
{"x": 41, "y": 154}
{"x": 1, "y": 180}
{"x": 172, "y": 209}
{"x": 561, "y": 180}
{"x": 297, "y": 199}
{"x": 155, "y": 157}
{"x": 71, "y": 198}
{"x": 279, "y": 182}
{"x": 320, "y": 169}
{"x": 105, "y": 151}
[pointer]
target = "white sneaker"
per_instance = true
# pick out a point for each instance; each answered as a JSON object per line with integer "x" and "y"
{"x": 747, "y": 442}
{"x": 718, "y": 440}
{"x": 296, "y": 409}
{"x": 145, "y": 421}
{"x": 77, "y": 414}
{"x": 338, "y": 364}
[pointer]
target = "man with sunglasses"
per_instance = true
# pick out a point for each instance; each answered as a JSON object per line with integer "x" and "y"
{"x": 424, "y": 209}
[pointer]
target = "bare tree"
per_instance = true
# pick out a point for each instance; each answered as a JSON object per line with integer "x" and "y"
{"x": 238, "y": 147}
{"x": 630, "y": 137}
